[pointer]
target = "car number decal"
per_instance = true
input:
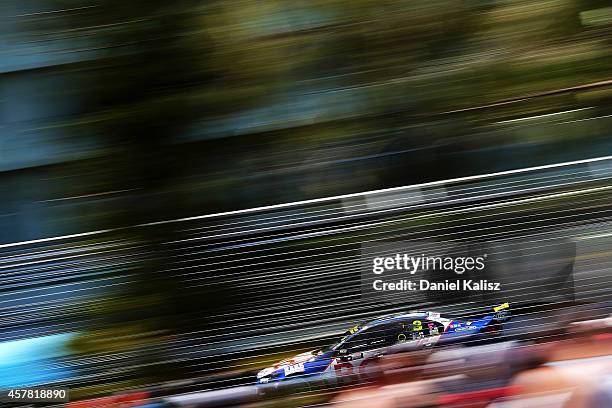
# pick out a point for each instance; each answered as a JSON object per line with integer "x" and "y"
{"x": 417, "y": 325}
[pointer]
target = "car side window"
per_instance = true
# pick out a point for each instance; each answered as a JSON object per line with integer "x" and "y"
{"x": 434, "y": 328}
{"x": 395, "y": 333}
{"x": 372, "y": 338}
{"x": 415, "y": 329}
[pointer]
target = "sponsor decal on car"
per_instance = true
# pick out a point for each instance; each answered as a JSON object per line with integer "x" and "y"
{"x": 293, "y": 369}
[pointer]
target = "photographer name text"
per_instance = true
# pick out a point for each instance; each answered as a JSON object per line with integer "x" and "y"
{"x": 447, "y": 285}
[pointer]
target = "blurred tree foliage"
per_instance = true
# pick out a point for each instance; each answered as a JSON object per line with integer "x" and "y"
{"x": 163, "y": 68}
{"x": 160, "y": 66}
{"x": 446, "y": 55}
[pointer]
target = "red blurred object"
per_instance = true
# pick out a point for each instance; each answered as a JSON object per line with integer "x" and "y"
{"x": 602, "y": 337}
{"x": 123, "y": 401}
{"x": 483, "y": 395}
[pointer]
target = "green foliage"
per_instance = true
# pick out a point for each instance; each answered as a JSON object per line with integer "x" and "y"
{"x": 162, "y": 67}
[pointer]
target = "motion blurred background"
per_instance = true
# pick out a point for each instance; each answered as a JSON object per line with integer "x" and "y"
{"x": 133, "y": 135}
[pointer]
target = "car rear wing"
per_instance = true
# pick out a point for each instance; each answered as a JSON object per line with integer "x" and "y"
{"x": 502, "y": 312}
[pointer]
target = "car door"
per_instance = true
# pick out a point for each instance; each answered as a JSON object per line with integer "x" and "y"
{"x": 421, "y": 332}
{"x": 360, "y": 351}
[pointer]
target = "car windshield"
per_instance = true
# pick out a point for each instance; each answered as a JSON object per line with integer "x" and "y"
{"x": 346, "y": 334}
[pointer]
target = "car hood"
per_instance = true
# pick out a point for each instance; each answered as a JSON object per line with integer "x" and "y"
{"x": 312, "y": 356}
{"x": 297, "y": 359}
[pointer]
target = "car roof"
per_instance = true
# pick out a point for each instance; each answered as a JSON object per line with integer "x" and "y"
{"x": 383, "y": 320}
{"x": 396, "y": 317}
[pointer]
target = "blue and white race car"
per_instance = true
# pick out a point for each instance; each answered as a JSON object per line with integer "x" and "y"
{"x": 362, "y": 344}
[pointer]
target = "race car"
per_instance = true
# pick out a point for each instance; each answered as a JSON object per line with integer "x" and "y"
{"x": 363, "y": 343}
